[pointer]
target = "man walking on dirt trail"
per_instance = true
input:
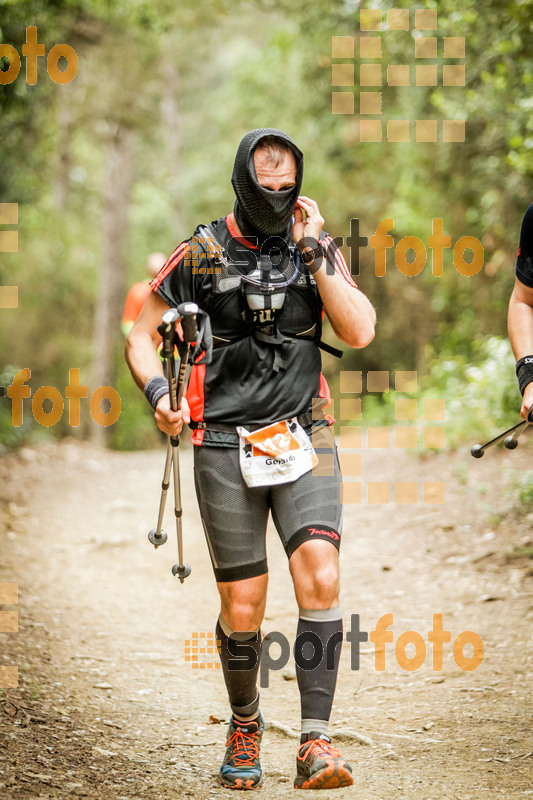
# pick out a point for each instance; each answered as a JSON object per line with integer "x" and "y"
{"x": 520, "y": 320}
{"x": 260, "y": 392}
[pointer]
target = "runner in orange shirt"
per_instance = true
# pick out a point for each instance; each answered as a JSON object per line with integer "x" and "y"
{"x": 139, "y": 293}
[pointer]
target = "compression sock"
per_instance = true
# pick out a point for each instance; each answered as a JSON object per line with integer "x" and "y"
{"x": 241, "y": 683}
{"x": 319, "y": 631}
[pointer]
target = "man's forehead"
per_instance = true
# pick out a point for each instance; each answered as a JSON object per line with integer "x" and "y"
{"x": 264, "y": 162}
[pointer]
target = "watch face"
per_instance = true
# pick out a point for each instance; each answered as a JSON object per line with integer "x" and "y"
{"x": 310, "y": 255}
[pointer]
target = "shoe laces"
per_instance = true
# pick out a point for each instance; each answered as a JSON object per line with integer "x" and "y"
{"x": 245, "y": 747}
{"x": 317, "y": 747}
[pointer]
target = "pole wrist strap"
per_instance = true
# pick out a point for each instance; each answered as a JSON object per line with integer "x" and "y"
{"x": 524, "y": 372}
{"x": 154, "y": 389}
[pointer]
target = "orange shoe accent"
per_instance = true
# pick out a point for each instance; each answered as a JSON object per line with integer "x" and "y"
{"x": 334, "y": 772}
{"x": 238, "y": 784}
{"x": 241, "y": 768}
{"x": 245, "y": 748}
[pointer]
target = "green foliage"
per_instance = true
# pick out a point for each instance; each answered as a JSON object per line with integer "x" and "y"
{"x": 481, "y": 398}
{"x": 10, "y": 437}
{"x": 135, "y": 429}
{"x": 188, "y": 80}
{"x": 519, "y": 491}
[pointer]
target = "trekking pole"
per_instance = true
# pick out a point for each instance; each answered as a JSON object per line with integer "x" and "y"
{"x": 511, "y": 437}
{"x": 187, "y": 312}
{"x": 156, "y": 536}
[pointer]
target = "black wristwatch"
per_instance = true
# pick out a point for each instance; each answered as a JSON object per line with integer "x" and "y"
{"x": 310, "y": 255}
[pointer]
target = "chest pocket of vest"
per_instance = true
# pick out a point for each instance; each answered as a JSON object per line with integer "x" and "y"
{"x": 231, "y": 317}
{"x": 301, "y": 313}
{"x": 231, "y": 320}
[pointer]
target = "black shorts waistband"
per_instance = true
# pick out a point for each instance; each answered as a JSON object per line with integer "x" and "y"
{"x": 306, "y": 421}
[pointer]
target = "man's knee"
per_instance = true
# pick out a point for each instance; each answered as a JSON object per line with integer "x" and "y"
{"x": 243, "y": 603}
{"x": 326, "y": 581}
{"x": 243, "y": 616}
{"x": 315, "y": 571}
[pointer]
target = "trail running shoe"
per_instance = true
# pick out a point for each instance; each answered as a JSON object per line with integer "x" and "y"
{"x": 241, "y": 768}
{"x": 320, "y": 766}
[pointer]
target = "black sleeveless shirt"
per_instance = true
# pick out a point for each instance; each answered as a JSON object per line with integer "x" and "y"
{"x": 241, "y": 385}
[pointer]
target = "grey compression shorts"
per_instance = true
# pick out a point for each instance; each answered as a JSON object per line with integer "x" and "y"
{"x": 235, "y": 516}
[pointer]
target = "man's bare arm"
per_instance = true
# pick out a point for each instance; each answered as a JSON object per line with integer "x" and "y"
{"x": 144, "y": 362}
{"x": 350, "y": 312}
{"x": 520, "y": 327}
{"x": 143, "y": 340}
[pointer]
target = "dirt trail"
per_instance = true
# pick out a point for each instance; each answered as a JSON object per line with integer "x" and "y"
{"x": 107, "y": 707}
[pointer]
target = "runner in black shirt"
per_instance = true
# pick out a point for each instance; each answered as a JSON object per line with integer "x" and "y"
{"x": 255, "y": 379}
{"x": 520, "y": 319}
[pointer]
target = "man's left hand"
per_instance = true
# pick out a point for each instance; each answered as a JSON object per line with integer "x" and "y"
{"x": 311, "y": 226}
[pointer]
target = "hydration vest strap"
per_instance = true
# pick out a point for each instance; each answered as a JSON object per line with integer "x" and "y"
{"x": 328, "y": 348}
{"x": 221, "y": 256}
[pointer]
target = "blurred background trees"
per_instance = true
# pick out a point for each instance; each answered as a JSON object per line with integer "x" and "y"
{"x": 138, "y": 149}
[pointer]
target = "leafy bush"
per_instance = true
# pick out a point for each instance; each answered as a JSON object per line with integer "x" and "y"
{"x": 135, "y": 429}
{"x": 11, "y": 437}
{"x": 520, "y": 491}
{"x": 481, "y": 398}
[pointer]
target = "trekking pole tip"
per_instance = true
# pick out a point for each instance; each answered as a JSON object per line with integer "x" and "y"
{"x": 477, "y": 451}
{"x": 157, "y": 539}
{"x": 182, "y": 572}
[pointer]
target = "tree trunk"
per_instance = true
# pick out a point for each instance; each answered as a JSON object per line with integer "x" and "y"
{"x": 170, "y": 116}
{"x": 63, "y": 157}
{"x": 112, "y": 290}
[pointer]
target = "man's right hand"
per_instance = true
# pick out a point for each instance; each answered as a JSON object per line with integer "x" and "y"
{"x": 169, "y": 421}
{"x": 527, "y": 401}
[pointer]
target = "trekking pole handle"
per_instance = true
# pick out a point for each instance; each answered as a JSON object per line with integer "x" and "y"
{"x": 188, "y": 312}
{"x": 530, "y": 415}
{"x": 167, "y": 331}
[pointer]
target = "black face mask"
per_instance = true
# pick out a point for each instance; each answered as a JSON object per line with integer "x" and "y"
{"x": 258, "y": 211}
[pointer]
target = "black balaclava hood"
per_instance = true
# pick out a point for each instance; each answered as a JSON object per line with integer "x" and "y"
{"x": 258, "y": 211}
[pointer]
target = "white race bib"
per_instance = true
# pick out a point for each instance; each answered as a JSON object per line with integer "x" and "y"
{"x": 277, "y": 453}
